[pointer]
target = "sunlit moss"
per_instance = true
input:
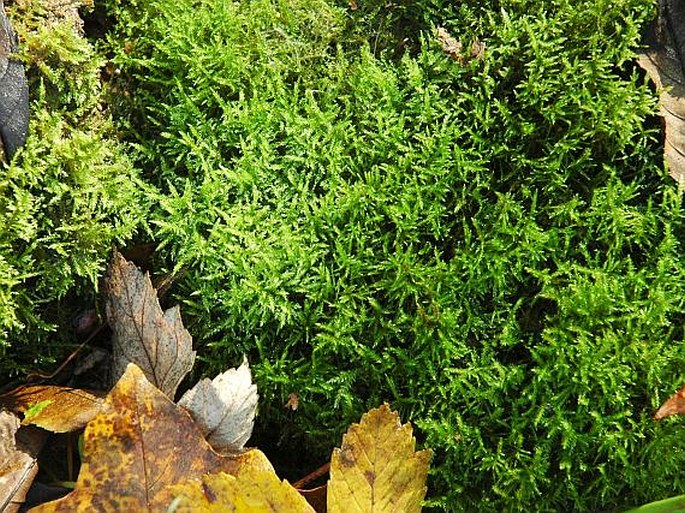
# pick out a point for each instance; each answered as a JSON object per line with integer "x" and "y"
{"x": 489, "y": 244}
{"x": 66, "y": 198}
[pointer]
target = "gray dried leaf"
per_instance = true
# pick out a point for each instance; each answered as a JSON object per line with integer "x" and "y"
{"x": 224, "y": 408}
{"x": 154, "y": 340}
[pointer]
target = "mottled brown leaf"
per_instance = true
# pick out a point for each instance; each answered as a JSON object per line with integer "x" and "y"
{"x": 63, "y": 409}
{"x": 376, "y": 469}
{"x": 154, "y": 340}
{"x": 137, "y": 448}
{"x": 675, "y": 405}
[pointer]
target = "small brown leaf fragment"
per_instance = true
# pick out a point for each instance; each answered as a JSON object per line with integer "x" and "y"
{"x": 455, "y": 49}
{"x": 137, "y": 448}
{"x": 449, "y": 44}
{"x": 377, "y": 469}
{"x": 293, "y": 401}
{"x": 353, "y": 5}
{"x": 675, "y": 405}
{"x": 143, "y": 334}
{"x": 477, "y": 50}
{"x": 19, "y": 448}
{"x": 65, "y": 409}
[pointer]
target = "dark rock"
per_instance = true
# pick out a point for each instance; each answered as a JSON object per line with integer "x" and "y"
{"x": 14, "y": 91}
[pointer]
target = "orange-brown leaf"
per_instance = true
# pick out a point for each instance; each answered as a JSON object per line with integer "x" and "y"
{"x": 64, "y": 409}
{"x": 137, "y": 447}
{"x": 376, "y": 469}
{"x": 675, "y": 405}
{"x": 143, "y": 334}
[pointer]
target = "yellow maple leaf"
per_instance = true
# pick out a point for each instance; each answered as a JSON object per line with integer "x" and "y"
{"x": 377, "y": 470}
{"x": 252, "y": 490}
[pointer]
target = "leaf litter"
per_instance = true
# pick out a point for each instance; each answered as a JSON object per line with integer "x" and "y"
{"x": 131, "y": 452}
{"x": 142, "y": 452}
{"x": 376, "y": 470}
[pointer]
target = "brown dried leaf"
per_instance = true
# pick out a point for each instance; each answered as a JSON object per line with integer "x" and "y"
{"x": 137, "y": 448}
{"x": 64, "y": 409}
{"x": 143, "y": 334}
{"x": 675, "y": 405}
{"x": 316, "y": 497}
{"x": 18, "y": 466}
{"x": 376, "y": 469}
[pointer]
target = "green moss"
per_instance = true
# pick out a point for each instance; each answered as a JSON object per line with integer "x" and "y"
{"x": 65, "y": 198}
{"x": 492, "y": 246}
